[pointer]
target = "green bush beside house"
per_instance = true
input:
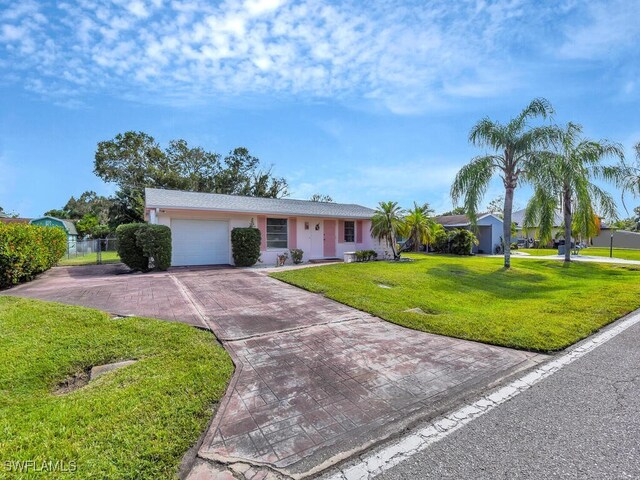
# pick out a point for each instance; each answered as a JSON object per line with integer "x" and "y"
{"x": 143, "y": 247}
{"x": 245, "y": 246}
{"x": 27, "y": 250}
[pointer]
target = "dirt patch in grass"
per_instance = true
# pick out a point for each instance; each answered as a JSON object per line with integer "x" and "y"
{"x": 73, "y": 382}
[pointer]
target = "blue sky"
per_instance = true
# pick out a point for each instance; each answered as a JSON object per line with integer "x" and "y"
{"x": 364, "y": 101}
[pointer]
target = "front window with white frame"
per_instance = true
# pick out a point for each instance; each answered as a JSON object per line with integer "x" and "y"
{"x": 349, "y": 232}
{"x": 277, "y": 233}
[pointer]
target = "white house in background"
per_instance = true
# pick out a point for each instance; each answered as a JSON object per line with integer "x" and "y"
{"x": 557, "y": 230}
{"x": 488, "y": 229}
{"x": 201, "y": 225}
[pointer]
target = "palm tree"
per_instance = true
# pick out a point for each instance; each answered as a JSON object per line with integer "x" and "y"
{"x": 517, "y": 147}
{"x": 387, "y": 223}
{"x": 420, "y": 225}
{"x": 630, "y": 178}
{"x": 564, "y": 181}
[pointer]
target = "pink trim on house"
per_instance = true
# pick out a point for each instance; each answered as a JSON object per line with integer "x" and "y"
{"x": 359, "y": 236}
{"x": 293, "y": 233}
{"x": 262, "y": 226}
{"x": 329, "y": 241}
{"x": 340, "y": 231}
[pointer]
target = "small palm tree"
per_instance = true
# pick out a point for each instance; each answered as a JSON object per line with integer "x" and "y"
{"x": 420, "y": 225}
{"x": 387, "y": 223}
{"x": 564, "y": 182}
{"x": 516, "y": 148}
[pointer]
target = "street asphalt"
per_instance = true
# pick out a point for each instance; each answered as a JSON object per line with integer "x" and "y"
{"x": 582, "y": 422}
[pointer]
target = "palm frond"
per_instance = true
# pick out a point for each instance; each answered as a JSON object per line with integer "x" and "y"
{"x": 471, "y": 183}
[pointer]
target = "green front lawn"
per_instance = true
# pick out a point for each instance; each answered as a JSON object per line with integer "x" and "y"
{"x": 89, "y": 259}
{"x": 625, "y": 253}
{"x": 541, "y": 305}
{"x": 133, "y": 423}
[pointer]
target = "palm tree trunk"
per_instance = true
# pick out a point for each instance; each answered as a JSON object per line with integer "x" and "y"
{"x": 568, "y": 219}
{"x": 506, "y": 226}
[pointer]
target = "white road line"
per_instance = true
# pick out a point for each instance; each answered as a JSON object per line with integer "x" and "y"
{"x": 375, "y": 462}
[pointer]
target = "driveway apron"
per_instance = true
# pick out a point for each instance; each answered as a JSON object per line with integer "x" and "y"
{"x": 316, "y": 381}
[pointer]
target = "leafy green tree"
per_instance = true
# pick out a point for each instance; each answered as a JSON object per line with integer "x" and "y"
{"x": 565, "y": 181}
{"x": 86, "y": 224}
{"x": 419, "y": 225}
{"x": 88, "y": 203}
{"x": 455, "y": 211}
{"x": 516, "y": 149}
{"x": 318, "y": 197}
{"x": 387, "y": 223}
{"x": 496, "y": 206}
{"x": 56, "y": 213}
{"x": 127, "y": 207}
{"x": 134, "y": 160}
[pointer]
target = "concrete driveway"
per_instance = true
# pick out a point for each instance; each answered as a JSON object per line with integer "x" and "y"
{"x": 315, "y": 381}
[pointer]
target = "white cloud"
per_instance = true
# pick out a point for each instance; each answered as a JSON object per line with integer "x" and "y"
{"x": 606, "y": 27}
{"x": 408, "y": 57}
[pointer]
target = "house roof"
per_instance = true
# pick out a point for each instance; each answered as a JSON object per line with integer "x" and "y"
{"x": 158, "y": 198}
{"x": 458, "y": 220}
{"x": 518, "y": 218}
{"x": 14, "y": 220}
{"x": 68, "y": 224}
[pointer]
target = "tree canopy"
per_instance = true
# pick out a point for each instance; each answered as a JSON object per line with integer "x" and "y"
{"x": 134, "y": 160}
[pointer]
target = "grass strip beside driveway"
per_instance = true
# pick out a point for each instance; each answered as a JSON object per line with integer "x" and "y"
{"x": 540, "y": 306}
{"x": 89, "y": 259}
{"x": 132, "y": 423}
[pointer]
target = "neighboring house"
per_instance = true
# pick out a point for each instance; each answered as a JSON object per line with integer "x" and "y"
{"x": 201, "y": 225}
{"x": 66, "y": 225}
{"x": 488, "y": 229}
{"x": 557, "y": 231}
{"x": 621, "y": 238}
{"x": 7, "y": 219}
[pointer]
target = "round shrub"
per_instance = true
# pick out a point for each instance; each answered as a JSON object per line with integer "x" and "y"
{"x": 129, "y": 251}
{"x": 245, "y": 244}
{"x": 155, "y": 242}
{"x": 26, "y": 250}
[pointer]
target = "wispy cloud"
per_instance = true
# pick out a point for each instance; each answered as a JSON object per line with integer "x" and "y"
{"x": 408, "y": 56}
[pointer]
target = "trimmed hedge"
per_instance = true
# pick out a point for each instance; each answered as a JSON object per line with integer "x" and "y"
{"x": 129, "y": 251}
{"x": 155, "y": 242}
{"x": 143, "y": 247}
{"x": 245, "y": 244}
{"x": 27, "y": 250}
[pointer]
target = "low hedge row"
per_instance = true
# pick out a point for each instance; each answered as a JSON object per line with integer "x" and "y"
{"x": 143, "y": 247}
{"x": 27, "y": 250}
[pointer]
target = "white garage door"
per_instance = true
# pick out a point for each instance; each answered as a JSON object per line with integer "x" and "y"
{"x": 199, "y": 242}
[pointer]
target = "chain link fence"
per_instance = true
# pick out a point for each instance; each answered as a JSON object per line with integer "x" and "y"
{"x": 89, "y": 252}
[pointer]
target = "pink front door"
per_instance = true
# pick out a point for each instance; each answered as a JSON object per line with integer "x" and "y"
{"x": 329, "y": 241}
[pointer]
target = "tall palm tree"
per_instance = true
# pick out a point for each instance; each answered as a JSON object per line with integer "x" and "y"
{"x": 565, "y": 181}
{"x": 387, "y": 223}
{"x": 420, "y": 225}
{"x": 517, "y": 147}
{"x": 630, "y": 178}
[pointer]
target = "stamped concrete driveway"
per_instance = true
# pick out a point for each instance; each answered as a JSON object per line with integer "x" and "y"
{"x": 315, "y": 381}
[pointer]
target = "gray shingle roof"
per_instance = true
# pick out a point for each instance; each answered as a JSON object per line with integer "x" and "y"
{"x": 457, "y": 220}
{"x": 158, "y": 198}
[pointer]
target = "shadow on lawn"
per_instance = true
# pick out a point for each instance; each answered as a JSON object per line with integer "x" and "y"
{"x": 503, "y": 283}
